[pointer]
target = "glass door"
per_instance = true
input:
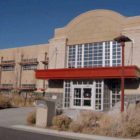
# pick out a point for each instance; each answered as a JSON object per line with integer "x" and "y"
{"x": 77, "y": 97}
{"x": 82, "y": 97}
{"x": 87, "y": 94}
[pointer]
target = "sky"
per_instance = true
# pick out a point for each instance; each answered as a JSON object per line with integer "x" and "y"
{"x": 29, "y": 22}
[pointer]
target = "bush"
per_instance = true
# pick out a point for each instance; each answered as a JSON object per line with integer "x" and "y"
{"x": 4, "y": 102}
{"x": 31, "y": 118}
{"x": 88, "y": 122}
{"x": 75, "y": 127}
{"x": 17, "y": 100}
{"x": 110, "y": 125}
{"x": 105, "y": 125}
{"x": 90, "y": 118}
{"x": 126, "y": 124}
{"x": 61, "y": 122}
{"x": 132, "y": 123}
{"x": 138, "y": 105}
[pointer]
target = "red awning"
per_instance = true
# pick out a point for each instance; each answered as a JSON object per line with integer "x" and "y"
{"x": 89, "y": 73}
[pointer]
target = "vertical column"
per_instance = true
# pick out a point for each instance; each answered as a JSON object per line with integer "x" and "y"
{"x": 103, "y": 54}
{"x": 76, "y": 53}
{"x": 82, "y": 55}
{"x": 122, "y": 78}
{"x": 111, "y": 48}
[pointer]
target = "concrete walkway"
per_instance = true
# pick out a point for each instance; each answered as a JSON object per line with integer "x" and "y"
{"x": 14, "y": 116}
{"x": 72, "y": 135}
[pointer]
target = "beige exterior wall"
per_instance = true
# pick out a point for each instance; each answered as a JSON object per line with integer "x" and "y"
{"x": 27, "y": 76}
{"x": 57, "y": 53}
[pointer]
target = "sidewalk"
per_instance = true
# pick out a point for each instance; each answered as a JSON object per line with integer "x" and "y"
{"x": 14, "y": 116}
{"x": 72, "y": 135}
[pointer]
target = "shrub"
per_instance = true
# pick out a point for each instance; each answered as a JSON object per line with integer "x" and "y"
{"x": 17, "y": 100}
{"x": 105, "y": 125}
{"x": 132, "y": 123}
{"x": 90, "y": 118}
{"x": 61, "y": 122}
{"x": 4, "y": 102}
{"x": 31, "y": 118}
{"x": 75, "y": 127}
{"x": 88, "y": 122}
{"x": 138, "y": 105}
{"x": 110, "y": 125}
{"x": 125, "y": 124}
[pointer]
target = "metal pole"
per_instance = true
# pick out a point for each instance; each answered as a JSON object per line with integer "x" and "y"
{"x": 45, "y": 67}
{"x": 1, "y": 71}
{"x": 122, "y": 78}
{"x": 20, "y": 77}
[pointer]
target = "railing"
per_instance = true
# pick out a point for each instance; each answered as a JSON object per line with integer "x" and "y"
{"x": 45, "y": 62}
{"x": 7, "y": 62}
{"x": 29, "y": 61}
{"x": 6, "y": 86}
{"x": 28, "y": 87}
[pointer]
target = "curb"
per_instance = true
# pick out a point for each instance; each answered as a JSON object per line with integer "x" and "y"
{"x": 64, "y": 134}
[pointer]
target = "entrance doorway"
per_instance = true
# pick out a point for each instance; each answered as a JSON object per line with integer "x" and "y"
{"x": 82, "y": 97}
{"x": 86, "y": 94}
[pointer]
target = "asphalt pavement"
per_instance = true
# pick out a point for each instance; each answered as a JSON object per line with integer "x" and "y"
{"x": 11, "y": 134}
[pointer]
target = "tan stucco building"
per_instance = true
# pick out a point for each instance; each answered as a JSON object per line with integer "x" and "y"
{"x": 82, "y": 62}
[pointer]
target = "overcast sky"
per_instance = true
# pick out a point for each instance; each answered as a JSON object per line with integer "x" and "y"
{"x": 28, "y": 22}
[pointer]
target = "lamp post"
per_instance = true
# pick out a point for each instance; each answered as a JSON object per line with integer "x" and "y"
{"x": 122, "y": 39}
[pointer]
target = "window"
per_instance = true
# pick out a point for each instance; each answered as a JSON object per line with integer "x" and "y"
{"x": 107, "y": 53}
{"x": 88, "y": 55}
{"x": 71, "y": 57}
{"x": 116, "y": 54}
{"x": 67, "y": 94}
{"x": 79, "y": 56}
{"x": 8, "y": 68}
{"x": 98, "y": 94}
{"x": 98, "y": 54}
{"x": 115, "y": 92}
{"x": 29, "y": 67}
{"x": 106, "y": 95}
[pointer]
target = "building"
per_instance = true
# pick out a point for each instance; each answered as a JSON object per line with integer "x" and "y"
{"x": 80, "y": 67}
{"x": 17, "y": 68}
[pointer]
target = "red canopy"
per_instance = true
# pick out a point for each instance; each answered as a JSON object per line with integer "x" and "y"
{"x": 89, "y": 73}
